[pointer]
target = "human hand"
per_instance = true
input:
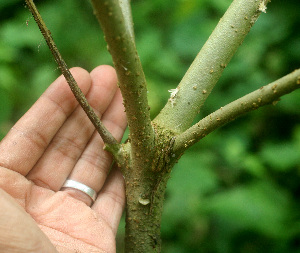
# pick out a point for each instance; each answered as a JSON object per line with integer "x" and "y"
{"x": 55, "y": 141}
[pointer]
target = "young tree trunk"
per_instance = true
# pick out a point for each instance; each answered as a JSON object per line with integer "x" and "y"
{"x": 154, "y": 147}
{"x": 146, "y": 178}
{"x": 144, "y": 196}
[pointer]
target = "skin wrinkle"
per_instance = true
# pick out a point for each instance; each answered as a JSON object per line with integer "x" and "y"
{"x": 59, "y": 107}
{"x": 115, "y": 197}
{"x": 62, "y": 243}
{"x": 48, "y": 117}
{"x": 67, "y": 145}
{"x": 41, "y": 183}
{"x": 37, "y": 138}
{"x": 15, "y": 183}
{"x": 79, "y": 227}
{"x": 13, "y": 215}
{"x": 117, "y": 201}
{"x": 33, "y": 144}
{"x": 101, "y": 71}
{"x": 109, "y": 195}
{"x": 99, "y": 165}
{"x": 62, "y": 224}
{"x": 66, "y": 149}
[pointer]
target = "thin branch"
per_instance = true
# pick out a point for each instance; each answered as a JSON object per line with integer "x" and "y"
{"x": 114, "y": 22}
{"x": 105, "y": 134}
{"x": 209, "y": 64}
{"x": 268, "y": 94}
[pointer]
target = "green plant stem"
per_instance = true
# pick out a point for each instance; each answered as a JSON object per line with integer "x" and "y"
{"x": 126, "y": 10}
{"x": 144, "y": 212}
{"x": 104, "y": 133}
{"x": 205, "y": 71}
{"x": 131, "y": 77}
{"x": 268, "y": 94}
{"x": 145, "y": 177}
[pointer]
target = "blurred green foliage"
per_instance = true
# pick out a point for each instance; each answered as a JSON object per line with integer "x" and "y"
{"x": 238, "y": 189}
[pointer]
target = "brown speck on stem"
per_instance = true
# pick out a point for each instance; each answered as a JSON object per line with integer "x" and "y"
{"x": 204, "y": 92}
{"x": 274, "y": 86}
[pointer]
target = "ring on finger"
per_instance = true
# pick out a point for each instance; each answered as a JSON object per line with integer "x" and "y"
{"x": 81, "y": 187}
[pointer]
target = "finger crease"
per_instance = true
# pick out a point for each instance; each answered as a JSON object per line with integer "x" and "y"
{"x": 66, "y": 146}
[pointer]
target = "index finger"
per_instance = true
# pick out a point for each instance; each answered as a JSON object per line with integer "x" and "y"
{"x": 26, "y": 141}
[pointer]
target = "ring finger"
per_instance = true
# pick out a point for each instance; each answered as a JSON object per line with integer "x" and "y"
{"x": 94, "y": 164}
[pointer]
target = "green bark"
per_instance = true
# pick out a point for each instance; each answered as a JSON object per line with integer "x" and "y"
{"x": 269, "y": 94}
{"x": 207, "y": 68}
{"x": 145, "y": 189}
{"x": 154, "y": 147}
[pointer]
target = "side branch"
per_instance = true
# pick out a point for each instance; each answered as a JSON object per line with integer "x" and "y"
{"x": 185, "y": 103}
{"x": 268, "y": 94}
{"x": 119, "y": 37}
{"x": 105, "y": 134}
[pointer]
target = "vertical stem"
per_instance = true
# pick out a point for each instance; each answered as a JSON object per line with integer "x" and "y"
{"x": 143, "y": 212}
{"x": 131, "y": 77}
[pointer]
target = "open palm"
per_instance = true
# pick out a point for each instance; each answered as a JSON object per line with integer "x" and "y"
{"x": 52, "y": 142}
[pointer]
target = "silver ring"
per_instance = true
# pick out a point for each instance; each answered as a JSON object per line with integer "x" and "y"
{"x": 81, "y": 187}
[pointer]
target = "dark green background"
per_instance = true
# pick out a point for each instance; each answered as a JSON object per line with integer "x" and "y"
{"x": 238, "y": 189}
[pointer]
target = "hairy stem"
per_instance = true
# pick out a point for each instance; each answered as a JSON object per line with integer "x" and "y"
{"x": 104, "y": 133}
{"x": 186, "y": 101}
{"x": 265, "y": 95}
{"x": 131, "y": 77}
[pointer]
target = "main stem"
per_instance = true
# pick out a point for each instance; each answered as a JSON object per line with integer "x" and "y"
{"x": 145, "y": 195}
{"x": 145, "y": 189}
{"x": 131, "y": 77}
